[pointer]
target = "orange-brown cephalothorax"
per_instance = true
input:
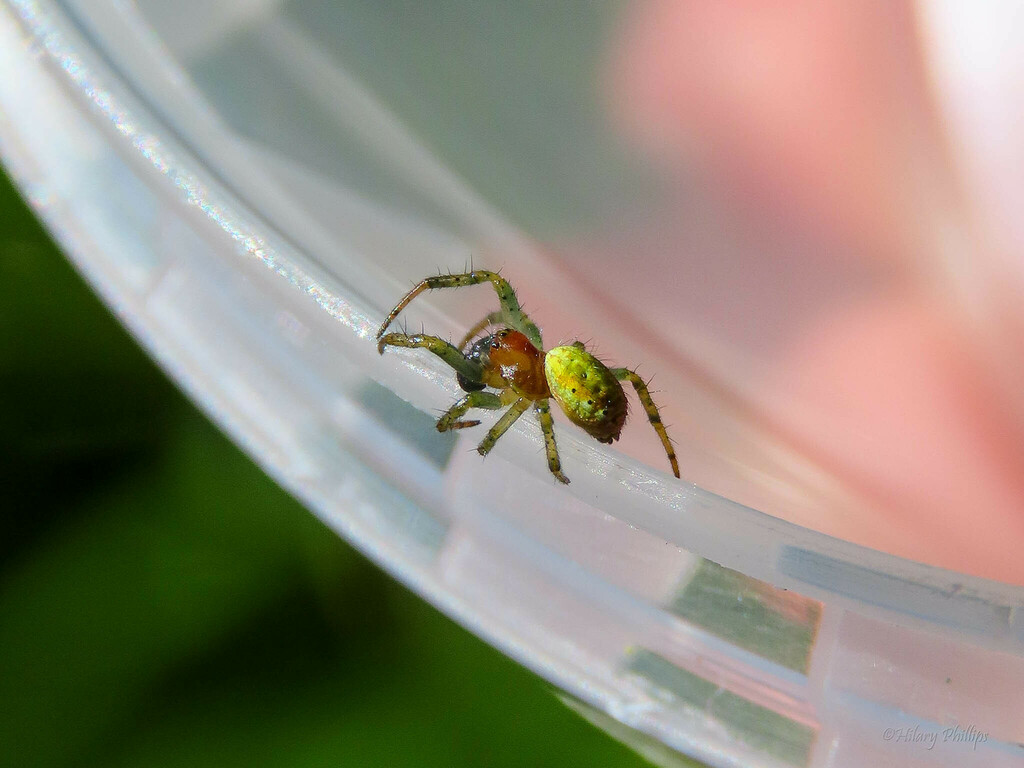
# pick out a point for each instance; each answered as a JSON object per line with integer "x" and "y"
{"x": 519, "y": 363}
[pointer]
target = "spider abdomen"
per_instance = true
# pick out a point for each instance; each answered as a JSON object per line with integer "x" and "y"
{"x": 587, "y": 391}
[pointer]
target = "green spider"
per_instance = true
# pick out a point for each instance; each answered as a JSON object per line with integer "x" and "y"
{"x": 513, "y": 362}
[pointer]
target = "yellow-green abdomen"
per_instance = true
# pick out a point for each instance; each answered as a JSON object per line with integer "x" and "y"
{"x": 586, "y": 390}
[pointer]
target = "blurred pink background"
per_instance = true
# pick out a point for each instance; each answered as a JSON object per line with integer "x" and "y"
{"x": 843, "y": 183}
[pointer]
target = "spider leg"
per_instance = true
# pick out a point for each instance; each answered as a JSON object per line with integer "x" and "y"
{"x": 507, "y": 419}
{"x": 470, "y": 369}
{"x": 653, "y": 414}
{"x": 511, "y": 312}
{"x": 547, "y": 426}
{"x": 492, "y": 319}
{"x": 450, "y": 420}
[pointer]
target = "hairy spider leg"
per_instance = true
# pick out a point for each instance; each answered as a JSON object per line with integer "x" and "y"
{"x": 547, "y": 426}
{"x": 507, "y": 419}
{"x": 451, "y": 418}
{"x": 511, "y": 312}
{"x": 472, "y": 370}
{"x": 653, "y": 414}
{"x": 494, "y": 318}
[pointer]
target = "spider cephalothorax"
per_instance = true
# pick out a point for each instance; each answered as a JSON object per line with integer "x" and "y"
{"x": 513, "y": 362}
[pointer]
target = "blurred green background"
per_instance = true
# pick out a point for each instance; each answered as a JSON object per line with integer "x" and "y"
{"x": 162, "y": 603}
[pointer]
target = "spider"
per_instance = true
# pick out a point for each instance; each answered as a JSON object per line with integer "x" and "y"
{"x": 513, "y": 361}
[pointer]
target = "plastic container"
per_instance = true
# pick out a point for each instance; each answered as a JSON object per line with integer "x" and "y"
{"x": 246, "y": 186}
